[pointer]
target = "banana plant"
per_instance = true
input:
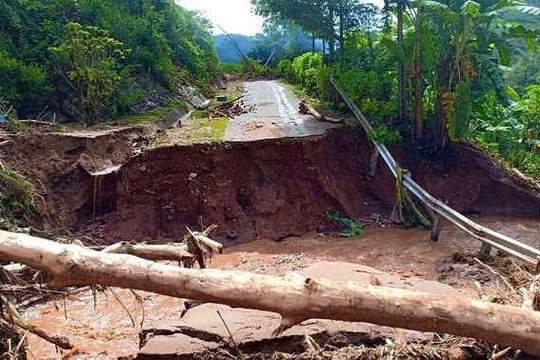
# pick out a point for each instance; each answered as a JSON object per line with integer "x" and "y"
{"x": 470, "y": 45}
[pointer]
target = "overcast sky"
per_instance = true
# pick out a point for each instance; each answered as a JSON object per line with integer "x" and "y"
{"x": 234, "y": 16}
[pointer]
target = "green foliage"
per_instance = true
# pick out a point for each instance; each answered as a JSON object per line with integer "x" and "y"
{"x": 371, "y": 92}
{"x": 253, "y": 69}
{"x": 512, "y": 133}
{"x": 328, "y": 20}
{"x": 352, "y": 227}
{"x": 528, "y": 111}
{"x": 168, "y": 45}
{"x": 232, "y": 68}
{"x": 305, "y": 69}
{"x": 88, "y": 57}
{"x": 16, "y": 196}
{"x": 285, "y": 69}
{"x": 24, "y": 85}
{"x": 384, "y": 135}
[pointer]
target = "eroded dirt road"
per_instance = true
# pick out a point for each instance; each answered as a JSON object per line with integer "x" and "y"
{"x": 276, "y": 115}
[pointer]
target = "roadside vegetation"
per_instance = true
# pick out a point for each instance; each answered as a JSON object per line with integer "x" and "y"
{"x": 16, "y": 198}
{"x": 428, "y": 73}
{"x": 94, "y": 60}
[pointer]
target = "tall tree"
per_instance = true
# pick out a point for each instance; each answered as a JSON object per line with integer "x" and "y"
{"x": 328, "y": 20}
{"x": 88, "y": 59}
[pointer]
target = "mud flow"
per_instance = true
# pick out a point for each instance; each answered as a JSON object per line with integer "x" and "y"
{"x": 393, "y": 256}
{"x": 270, "y": 199}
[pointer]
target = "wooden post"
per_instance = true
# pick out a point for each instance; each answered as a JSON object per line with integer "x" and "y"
{"x": 485, "y": 250}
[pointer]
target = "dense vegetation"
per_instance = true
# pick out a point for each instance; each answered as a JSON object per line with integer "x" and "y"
{"x": 94, "y": 59}
{"x": 432, "y": 72}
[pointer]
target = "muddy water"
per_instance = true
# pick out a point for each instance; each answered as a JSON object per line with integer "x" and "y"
{"x": 105, "y": 330}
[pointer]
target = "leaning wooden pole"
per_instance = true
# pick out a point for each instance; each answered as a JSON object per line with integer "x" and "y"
{"x": 295, "y": 298}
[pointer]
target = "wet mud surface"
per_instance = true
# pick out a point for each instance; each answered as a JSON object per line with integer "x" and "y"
{"x": 106, "y": 331}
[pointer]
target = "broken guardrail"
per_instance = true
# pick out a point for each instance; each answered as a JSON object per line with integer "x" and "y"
{"x": 490, "y": 237}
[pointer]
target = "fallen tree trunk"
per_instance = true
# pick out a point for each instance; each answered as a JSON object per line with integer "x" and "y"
{"x": 295, "y": 298}
{"x": 305, "y": 108}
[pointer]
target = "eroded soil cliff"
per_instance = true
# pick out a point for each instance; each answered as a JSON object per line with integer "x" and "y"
{"x": 263, "y": 189}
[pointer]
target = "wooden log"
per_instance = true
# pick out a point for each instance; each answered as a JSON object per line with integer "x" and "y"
{"x": 178, "y": 252}
{"x": 205, "y": 240}
{"x": 6, "y": 143}
{"x": 305, "y": 108}
{"x": 295, "y": 298}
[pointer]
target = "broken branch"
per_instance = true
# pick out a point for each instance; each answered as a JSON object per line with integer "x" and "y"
{"x": 305, "y": 108}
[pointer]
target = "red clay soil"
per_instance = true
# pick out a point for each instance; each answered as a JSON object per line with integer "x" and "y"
{"x": 268, "y": 189}
{"x": 60, "y": 167}
{"x": 278, "y": 188}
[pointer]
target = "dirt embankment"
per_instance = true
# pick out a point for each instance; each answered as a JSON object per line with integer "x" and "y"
{"x": 60, "y": 165}
{"x": 265, "y": 189}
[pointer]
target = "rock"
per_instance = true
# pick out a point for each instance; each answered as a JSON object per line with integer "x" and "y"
{"x": 444, "y": 265}
{"x": 175, "y": 346}
{"x": 202, "y": 329}
{"x": 192, "y": 96}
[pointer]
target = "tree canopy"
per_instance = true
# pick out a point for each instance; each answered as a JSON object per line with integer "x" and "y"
{"x": 117, "y": 51}
{"x": 434, "y": 72}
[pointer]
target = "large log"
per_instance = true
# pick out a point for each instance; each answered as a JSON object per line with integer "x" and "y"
{"x": 295, "y": 298}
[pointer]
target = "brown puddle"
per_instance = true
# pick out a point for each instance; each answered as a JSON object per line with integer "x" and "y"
{"x": 106, "y": 332}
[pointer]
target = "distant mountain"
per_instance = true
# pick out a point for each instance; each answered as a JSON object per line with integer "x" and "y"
{"x": 227, "y": 52}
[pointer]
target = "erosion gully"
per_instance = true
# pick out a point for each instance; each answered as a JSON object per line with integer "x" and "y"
{"x": 257, "y": 192}
{"x": 268, "y": 197}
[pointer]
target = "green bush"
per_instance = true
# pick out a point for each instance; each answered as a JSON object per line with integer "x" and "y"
{"x": 371, "y": 92}
{"x": 16, "y": 196}
{"x": 285, "y": 69}
{"x": 305, "y": 69}
{"x": 232, "y": 68}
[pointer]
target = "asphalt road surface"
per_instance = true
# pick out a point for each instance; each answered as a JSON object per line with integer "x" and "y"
{"x": 276, "y": 115}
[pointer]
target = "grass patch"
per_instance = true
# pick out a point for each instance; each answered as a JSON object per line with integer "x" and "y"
{"x": 150, "y": 116}
{"x": 200, "y": 130}
{"x": 352, "y": 228}
{"x": 200, "y": 114}
{"x": 207, "y": 130}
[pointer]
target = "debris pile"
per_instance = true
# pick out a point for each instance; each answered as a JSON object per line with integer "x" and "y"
{"x": 22, "y": 286}
{"x": 231, "y": 109}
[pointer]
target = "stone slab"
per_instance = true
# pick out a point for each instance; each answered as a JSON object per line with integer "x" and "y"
{"x": 201, "y": 328}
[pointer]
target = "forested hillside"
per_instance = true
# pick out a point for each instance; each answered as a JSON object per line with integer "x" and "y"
{"x": 228, "y": 47}
{"x": 88, "y": 60}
